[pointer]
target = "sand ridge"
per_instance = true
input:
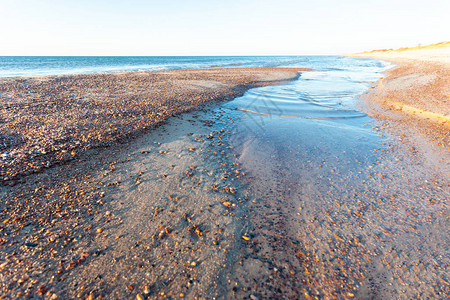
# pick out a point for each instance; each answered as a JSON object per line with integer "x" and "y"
{"x": 437, "y": 53}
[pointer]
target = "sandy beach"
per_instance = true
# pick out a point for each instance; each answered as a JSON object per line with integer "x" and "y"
{"x": 414, "y": 97}
{"x": 208, "y": 202}
{"x": 221, "y": 150}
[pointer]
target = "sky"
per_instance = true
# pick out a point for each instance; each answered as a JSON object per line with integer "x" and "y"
{"x": 213, "y": 27}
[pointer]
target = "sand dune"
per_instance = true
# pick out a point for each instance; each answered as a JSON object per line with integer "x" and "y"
{"x": 438, "y": 53}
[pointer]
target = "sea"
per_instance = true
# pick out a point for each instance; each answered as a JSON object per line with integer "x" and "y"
{"x": 11, "y": 66}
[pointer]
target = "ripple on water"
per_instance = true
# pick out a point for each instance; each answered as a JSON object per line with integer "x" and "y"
{"x": 294, "y": 103}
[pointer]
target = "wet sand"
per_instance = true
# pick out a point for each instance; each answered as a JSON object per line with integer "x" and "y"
{"x": 348, "y": 217}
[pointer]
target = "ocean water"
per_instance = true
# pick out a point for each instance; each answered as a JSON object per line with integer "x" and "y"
{"x": 54, "y": 65}
{"x": 315, "y": 115}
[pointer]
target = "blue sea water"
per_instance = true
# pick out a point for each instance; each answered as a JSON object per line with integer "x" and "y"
{"x": 55, "y": 65}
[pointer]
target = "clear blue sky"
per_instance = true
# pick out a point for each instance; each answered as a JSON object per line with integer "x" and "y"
{"x": 213, "y": 27}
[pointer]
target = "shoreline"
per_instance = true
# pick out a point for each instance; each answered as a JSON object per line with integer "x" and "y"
{"x": 122, "y": 73}
{"x": 53, "y": 119}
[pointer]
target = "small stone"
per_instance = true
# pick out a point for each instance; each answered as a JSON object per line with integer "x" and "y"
{"x": 42, "y": 290}
{"x": 146, "y": 290}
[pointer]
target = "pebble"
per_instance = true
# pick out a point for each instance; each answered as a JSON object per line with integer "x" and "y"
{"x": 146, "y": 290}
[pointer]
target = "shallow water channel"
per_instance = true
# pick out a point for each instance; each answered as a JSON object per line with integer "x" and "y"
{"x": 369, "y": 215}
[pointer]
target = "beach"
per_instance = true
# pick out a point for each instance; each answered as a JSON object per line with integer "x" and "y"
{"x": 257, "y": 183}
{"x": 156, "y": 150}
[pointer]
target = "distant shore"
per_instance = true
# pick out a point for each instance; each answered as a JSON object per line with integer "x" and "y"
{"x": 438, "y": 53}
{"x": 52, "y": 119}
